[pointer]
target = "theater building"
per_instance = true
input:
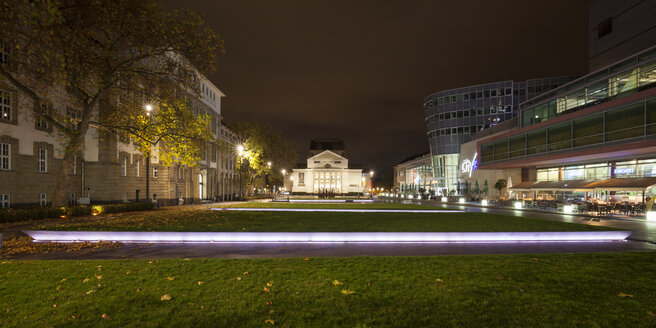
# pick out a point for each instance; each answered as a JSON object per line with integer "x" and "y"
{"x": 327, "y": 170}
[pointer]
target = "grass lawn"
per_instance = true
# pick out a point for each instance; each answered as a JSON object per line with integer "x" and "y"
{"x": 369, "y": 206}
{"x": 255, "y": 221}
{"x": 546, "y": 290}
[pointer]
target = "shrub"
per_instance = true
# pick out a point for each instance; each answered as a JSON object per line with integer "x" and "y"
{"x": 40, "y": 213}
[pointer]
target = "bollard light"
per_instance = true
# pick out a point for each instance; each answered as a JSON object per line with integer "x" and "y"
{"x": 651, "y": 216}
{"x": 518, "y": 205}
{"x": 568, "y": 209}
{"x": 444, "y": 199}
{"x": 461, "y": 200}
{"x": 484, "y": 202}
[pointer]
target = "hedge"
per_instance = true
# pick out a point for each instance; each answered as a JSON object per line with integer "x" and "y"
{"x": 40, "y": 213}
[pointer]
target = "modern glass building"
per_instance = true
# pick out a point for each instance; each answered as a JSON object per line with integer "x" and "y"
{"x": 454, "y": 116}
{"x": 591, "y": 139}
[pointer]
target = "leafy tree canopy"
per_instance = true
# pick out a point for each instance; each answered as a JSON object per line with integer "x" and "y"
{"x": 93, "y": 49}
{"x": 263, "y": 144}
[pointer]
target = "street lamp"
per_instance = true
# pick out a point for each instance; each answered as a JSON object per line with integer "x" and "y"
{"x": 240, "y": 153}
{"x": 149, "y": 108}
{"x": 266, "y": 183}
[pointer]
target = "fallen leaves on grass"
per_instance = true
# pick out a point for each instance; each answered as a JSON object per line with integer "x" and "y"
{"x": 269, "y": 284}
{"x": 86, "y": 280}
{"x": 270, "y": 321}
{"x": 266, "y": 290}
{"x": 24, "y": 245}
{"x": 165, "y": 297}
{"x": 245, "y": 273}
{"x": 238, "y": 278}
{"x": 651, "y": 314}
{"x": 200, "y": 283}
{"x": 98, "y": 277}
{"x": 337, "y": 282}
{"x": 105, "y": 316}
{"x": 439, "y": 280}
{"x": 90, "y": 291}
{"x": 170, "y": 278}
{"x": 622, "y": 295}
{"x": 347, "y": 292}
{"x": 306, "y": 259}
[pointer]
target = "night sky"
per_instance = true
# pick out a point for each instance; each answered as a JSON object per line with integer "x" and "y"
{"x": 359, "y": 70}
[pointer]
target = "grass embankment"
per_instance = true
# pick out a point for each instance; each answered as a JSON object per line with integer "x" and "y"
{"x": 255, "y": 221}
{"x": 556, "y": 290}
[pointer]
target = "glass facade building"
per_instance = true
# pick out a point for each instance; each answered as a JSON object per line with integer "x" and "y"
{"x": 454, "y": 116}
{"x": 612, "y": 125}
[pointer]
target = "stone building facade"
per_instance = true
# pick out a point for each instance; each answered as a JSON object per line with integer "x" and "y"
{"x": 109, "y": 168}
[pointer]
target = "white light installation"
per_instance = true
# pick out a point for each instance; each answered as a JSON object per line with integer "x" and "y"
{"x": 330, "y": 201}
{"x": 461, "y": 200}
{"x": 484, "y": 202}
{"x": 344, "y": 210}
{"x": 518, "y": 205}
{"x": 444, "y": 199}
{"x": 322, "y": 237}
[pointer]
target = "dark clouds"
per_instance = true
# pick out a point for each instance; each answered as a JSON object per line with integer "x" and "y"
{"x": 359, "y": 70}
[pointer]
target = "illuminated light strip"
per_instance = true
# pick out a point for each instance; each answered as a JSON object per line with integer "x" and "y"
{"x": 322, "y": 237}
{"x": 263, "y": 209}
{"x": 331, "y": 201}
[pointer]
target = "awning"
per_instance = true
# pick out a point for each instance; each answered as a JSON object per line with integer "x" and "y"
{"x": 613, "y": 184}
{"x": 624, "y": 184}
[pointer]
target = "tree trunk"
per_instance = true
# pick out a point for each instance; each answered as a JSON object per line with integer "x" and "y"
{"x": 75, "y": 144}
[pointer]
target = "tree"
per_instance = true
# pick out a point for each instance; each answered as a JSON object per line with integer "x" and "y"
{"x": 263, "y": 144}
{"x": 500, "y": 184}
{"x": 93, "y": 49}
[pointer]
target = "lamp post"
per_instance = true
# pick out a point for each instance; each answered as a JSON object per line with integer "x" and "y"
{"x": 371, "y": 180}
{"x": 149, "y": 108}
{"x": 266, "y": 183}
{"x": 240, "y": 153}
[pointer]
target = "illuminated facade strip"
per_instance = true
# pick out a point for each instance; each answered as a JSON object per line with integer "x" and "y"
{"x": 322, "y": 237}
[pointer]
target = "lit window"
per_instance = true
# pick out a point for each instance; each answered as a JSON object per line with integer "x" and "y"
{"x": 42, "y": 199}
{"x": 5, "y": 156}
{"x": 5, "y": 105}
{"x": 43, "y": 160}
{"x": 74, "y": 164}
{"x": 4, "y": 200}
{"x": 136, "y": 164}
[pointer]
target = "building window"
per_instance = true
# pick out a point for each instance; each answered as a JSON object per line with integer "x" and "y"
{"x": 154, "y": 172}
{"x": 74, "y": 118}
{"x": 124, "y": 166}
{"x": 5, "y": 156}
{"x": 605, "y": 27}
{"x": 5, "y": 105}
{"x": 136, "y": 164}
{"x": 41, "y": 121}
{"x": 43, "y": 160}
{"x": 4, "y": 52}
{"x": 74, "y": 164}
{"x": 4, "y": 200}
{"x": 42, "y": 199}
